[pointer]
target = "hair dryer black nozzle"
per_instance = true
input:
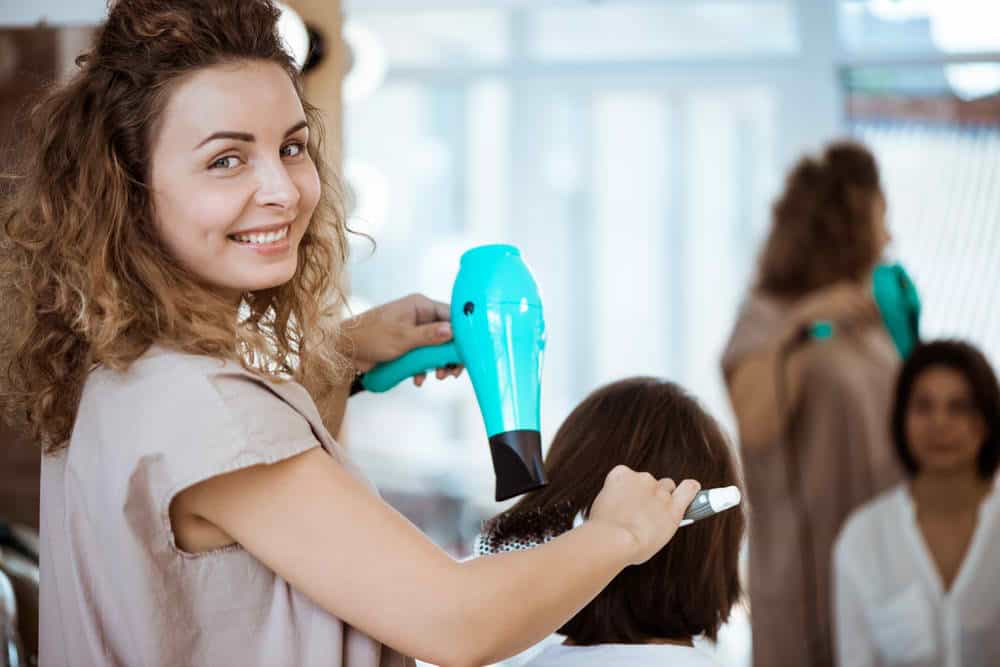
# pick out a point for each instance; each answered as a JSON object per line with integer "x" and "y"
{"x": 517, "y": 462}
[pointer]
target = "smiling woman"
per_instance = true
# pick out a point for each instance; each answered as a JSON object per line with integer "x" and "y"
{"x": 145, "y": 170}
{"x": 234, "y": 208}
{"x": 170, "y": 257}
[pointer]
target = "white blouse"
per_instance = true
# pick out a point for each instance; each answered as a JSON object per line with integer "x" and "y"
{"x": 890, "y": 606}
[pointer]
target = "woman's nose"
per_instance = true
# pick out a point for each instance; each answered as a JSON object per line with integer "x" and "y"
{"x": 276, "y": 189}
{"x": 942, "y": 420}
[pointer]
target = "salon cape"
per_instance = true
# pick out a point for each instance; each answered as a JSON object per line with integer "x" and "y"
{"x": 621, "y": 655}
{"x": 890, "y": 605}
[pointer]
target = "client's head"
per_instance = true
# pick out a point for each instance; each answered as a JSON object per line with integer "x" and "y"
{"x": 689, "y": 587}
{"x": 946, "y": 414}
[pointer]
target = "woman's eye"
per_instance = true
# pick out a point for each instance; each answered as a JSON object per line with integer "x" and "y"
{"x": 228, "y": 162}
{"x": 962, "y": 407}
{"x": 292, "y": 150}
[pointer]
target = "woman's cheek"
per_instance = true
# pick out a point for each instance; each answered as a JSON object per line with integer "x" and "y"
{"x": 309, "y": 189}
{"x": 217, "y": 213}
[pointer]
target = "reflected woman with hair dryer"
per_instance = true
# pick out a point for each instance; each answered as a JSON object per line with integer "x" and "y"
{"x": 809, "y": 369}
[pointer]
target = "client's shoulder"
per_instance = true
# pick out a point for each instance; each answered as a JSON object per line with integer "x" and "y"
{"x": 871, "y": 522}
{"x": 622, "y": 655}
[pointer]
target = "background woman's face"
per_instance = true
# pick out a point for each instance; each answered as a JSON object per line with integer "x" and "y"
{"x": 943, "y": 426}
{"x": 233, "y": 185}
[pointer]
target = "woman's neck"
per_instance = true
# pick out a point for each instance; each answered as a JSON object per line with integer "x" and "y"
{"x": 652, "y": 640}
{"x": 675, "y": 642}
{"x": 947, "y": 492}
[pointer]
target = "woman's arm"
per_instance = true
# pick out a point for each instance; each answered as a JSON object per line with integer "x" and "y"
{"x": 754, "y": 392}
{"x": 380, "y": 334}
{"x": 332, "y": 538}
{"x": 753, "y": 384}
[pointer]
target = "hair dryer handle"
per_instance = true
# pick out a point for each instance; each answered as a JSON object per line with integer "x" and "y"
{"x": 899, "y": 305}
{"x": 387, "y": 375}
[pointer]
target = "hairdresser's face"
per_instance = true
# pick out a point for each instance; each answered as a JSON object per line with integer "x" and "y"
{"x": 233, "y": 185}
{"x": 943, "y": 427}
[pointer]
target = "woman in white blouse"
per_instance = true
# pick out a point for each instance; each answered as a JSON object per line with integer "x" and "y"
{"x": 917, "y": 570}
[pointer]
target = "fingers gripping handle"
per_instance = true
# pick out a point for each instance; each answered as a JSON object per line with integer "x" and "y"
{"x": 387, "y": 375}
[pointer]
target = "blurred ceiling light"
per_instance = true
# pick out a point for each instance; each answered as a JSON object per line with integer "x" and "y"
{"x": 294, "y": 34}
{"x": 973, "y": 80}
{"x": 964, "y": 25}
{"x": 961, "y": 26}
{"x": 367, "y": 62}
{"x": 304, "y": 42}
{"x": 956, "y": 26}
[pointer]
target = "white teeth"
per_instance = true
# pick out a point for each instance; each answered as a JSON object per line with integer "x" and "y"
{"x": 263, "y": 238}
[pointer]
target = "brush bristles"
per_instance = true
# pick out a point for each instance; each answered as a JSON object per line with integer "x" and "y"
{"x": 515, "y": 531}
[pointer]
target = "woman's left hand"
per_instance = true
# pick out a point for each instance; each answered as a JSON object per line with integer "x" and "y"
{"x": 391, "y": 330}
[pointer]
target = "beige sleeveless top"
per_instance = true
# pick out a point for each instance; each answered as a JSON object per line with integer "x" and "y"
{"x": 116, "y": 590}
{"x": 842, "y": 458}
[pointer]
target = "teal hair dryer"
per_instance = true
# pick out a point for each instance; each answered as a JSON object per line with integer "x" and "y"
{"x": 499, "y": 336}
{"x": 898, "y": 303}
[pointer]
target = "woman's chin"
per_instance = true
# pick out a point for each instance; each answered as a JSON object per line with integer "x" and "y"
{"x": 276, "y": 277}
{"x": 946, "y": 463}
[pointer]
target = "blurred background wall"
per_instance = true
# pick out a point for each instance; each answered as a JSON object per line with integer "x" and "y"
{"x": 29, "y": 55}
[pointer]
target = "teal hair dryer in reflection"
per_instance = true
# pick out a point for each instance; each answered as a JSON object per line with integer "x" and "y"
{"x": 499, "y": 336}
{"x": 898, "y": 303}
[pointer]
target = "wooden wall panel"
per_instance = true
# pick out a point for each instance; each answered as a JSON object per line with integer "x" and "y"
{"x": 29, "y": 57}
{"x": 323, "y": 84}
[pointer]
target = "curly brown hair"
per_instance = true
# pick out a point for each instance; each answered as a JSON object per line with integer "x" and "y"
{"x": 823, "y": 225}
{"x": 85, "y": 278}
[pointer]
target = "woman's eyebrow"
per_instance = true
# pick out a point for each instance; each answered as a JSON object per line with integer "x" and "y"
{"x": 246, "y": 136}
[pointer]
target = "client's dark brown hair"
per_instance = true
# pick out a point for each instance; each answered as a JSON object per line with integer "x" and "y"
{"x": 690, "y": 586}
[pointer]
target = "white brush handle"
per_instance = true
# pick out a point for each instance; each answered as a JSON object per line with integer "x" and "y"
{"x": 709, "y": 502}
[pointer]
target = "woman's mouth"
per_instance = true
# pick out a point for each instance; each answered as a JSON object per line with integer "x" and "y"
{"x": 262, "y": 239}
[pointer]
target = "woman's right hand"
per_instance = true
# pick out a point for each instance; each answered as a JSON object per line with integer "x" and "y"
{"x": 646, "y": 509}
{"x": 393, "y": 329}
{"x": 846, "y": 303}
